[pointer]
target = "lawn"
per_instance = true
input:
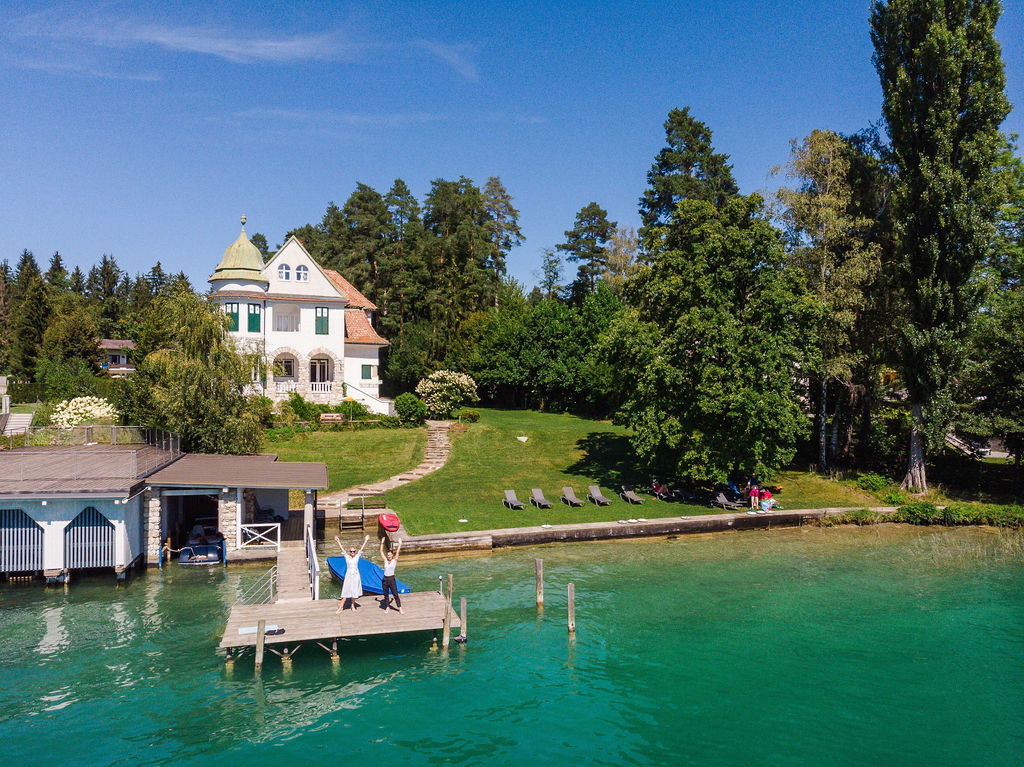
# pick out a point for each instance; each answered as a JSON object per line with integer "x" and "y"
{"x": 355, "y": 457}
{"x": 29, "y": 407}
{"x": 487, "y": 458}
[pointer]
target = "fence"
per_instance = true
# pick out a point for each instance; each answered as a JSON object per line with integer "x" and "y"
{"x": 261, "y": 535}
{"x": 155, "y": 449}
{"x": 314, "y": 564}
{"x": 262, "y": 591}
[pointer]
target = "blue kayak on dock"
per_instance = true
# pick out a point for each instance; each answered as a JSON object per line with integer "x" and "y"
{"x": 370, "y": 573}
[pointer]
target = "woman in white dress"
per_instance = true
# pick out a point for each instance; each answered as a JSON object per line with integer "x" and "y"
{"x": 352, "y": 587}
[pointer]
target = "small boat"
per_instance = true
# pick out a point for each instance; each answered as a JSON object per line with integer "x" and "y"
{"x": 370, "y": 573}
{"x": 389, "y": 522}
{"x": 201, "y": 554}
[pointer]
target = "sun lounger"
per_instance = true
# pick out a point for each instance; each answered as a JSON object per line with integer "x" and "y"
{"x": 594, "y": 494}
{"x": 629, "y": 495}
{"x": 537, "y": 499}
{"x": 511, "y": 501}
{"x": 720, "y": 499}
{"x": 569, "y": 497}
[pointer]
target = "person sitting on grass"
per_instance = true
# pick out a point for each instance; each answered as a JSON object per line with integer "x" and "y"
{"x": 767, "y": 502}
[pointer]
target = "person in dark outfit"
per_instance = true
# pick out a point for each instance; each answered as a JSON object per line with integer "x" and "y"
{"x": 388, "y": 582}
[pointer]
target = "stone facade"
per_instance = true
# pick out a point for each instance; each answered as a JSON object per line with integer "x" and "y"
{"x": 152, "y": 529}
{"x": 227, "y": 517}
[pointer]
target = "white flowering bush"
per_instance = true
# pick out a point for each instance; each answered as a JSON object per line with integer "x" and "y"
{"x": 73, "y": 412}
{"x": 444, "y": 390}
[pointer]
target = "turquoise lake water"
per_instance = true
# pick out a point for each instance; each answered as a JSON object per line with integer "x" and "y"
{"x": 850, "y": 646}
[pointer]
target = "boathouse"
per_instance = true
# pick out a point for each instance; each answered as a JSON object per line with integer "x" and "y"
{"x": 110, "y": 497}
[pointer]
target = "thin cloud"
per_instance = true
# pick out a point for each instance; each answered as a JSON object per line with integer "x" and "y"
{"x": 123, "y": 33}
{"x": 327, "y": 117}
{"x": 455, "y": 56}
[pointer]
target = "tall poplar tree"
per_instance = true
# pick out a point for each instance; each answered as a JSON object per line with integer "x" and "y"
{"x": 943, "y": 88}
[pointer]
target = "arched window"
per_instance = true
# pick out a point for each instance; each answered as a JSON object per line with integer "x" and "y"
{"x": 301, "y": 274}
{"x": 284, "y": 272}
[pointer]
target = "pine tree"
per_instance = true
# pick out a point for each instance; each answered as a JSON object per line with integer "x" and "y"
{"x": 31, "y": 314}
{"x": 688, "y": 168}
{"x": 357, "y": 237}
{"x": 57, "y": 276}
{"x": 403, "y": 269}
{"x": 6, "y": 300}
{"x": 503, "y": 226}
{"x": 585, "y": 244}
{"x": 76, "y": 282}
{"x": 943, "y": 88}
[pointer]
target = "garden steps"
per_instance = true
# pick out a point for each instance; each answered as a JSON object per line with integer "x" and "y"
{"x": 436, "y": 455}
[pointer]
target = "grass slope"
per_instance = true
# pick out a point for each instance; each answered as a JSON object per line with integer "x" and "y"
{"x": 355, "y": 457}
{"x": 560, "y": 450}
{"x": 487, "y": 459}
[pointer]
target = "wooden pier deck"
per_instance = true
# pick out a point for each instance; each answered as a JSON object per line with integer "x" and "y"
{"x": 312, "y": 621}
{"x": 294, "y": 618}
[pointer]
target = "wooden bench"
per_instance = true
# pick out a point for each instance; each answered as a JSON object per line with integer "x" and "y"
{"x": 332, "y": 418}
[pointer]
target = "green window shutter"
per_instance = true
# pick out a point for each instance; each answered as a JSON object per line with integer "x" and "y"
{"x": 322, "y": 328}
{"x": 232, "y": 311}
{"x": 367, "y": 372}
{"x": 254, "y": 318}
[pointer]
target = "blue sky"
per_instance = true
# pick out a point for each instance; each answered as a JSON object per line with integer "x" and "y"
{"x": 146, "y": 130}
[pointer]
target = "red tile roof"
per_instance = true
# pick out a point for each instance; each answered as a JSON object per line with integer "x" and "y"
{"x": 355, "y": 299}
{"x": 358, "y": 329}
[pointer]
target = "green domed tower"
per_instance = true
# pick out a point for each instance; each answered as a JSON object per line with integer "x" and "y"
{"x": 242, "y": 262}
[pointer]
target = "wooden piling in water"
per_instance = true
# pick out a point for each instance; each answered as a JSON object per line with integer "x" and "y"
{"x": 462, "y": 619}
{"x": 261, "y": 628}
{"x": 572, "y": 608}
{"x": 446, "y": 629}
{"x": 540, "y": 583}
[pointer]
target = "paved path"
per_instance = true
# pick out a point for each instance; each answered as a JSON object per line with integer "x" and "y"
{"x": 438, "y": 449}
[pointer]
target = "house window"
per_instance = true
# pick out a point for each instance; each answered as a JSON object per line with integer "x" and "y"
{"x": 231, "y": 310}
{"x": 367, "y": 372}
{"x": 287, "y": 367}
{"x": 301, "y": 274}
{"x": 322, "y": 327}
{"x": 284, "y": 272}
{"x": 254, "y": 318}
{"x": 286, "y": 319}
{"x": 319, "y": 371}
{"x": 115, "y": 359}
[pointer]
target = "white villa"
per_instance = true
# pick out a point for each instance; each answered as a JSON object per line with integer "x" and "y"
{"x": 315, "y": 328}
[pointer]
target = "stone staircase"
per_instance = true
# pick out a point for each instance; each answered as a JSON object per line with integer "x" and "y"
{"x": 438, "y": 449}
{"x": 17, "y": 423}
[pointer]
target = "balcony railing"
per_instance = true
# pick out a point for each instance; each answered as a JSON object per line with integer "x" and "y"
{"x": 285, "y": 387}
{"x": 320, "y": 387}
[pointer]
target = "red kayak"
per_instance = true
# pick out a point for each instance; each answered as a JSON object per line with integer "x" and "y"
{"x": 389, "y": 522}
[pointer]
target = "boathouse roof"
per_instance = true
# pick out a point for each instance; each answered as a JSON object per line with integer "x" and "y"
{"x": 255, "y": 471}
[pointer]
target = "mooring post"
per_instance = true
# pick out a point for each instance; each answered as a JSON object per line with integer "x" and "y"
{"x": 446, "y": 628}
{"x": 462, "y": 619}
{"x": 261, "y": 627}
{"x": 540, "y": 583}
{"x": 572, "y": 608}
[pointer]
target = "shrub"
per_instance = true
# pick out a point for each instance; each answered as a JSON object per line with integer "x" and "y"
{"x": 444, "y": 390}
{"x": 81, "y": 410}
{"x": 305, "y": 411}
{"x": 962, "y": 514}
{"x": 410, "y": 409}
{"x": 262, "y": 409}
{"x": 470, "y": 416}
{"x": 1005, "y": 516}
{"x": 354, "y": 411}
{"x": 894, "y": 498}
{"x": 873, "y": 483}
{"x": 862, "y": 517}
{"x": 919, "y": 513}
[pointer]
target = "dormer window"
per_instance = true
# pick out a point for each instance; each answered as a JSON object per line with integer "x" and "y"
{"x": 284, "y": 273}
{"x": 301, "y": 274}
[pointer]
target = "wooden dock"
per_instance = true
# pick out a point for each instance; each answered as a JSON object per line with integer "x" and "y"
{"x": 294, "y": 618}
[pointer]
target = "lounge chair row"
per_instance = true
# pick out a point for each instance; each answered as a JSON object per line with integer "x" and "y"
{"x": 569, "y": 497}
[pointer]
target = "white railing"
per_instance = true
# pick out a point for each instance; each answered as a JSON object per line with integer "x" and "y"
{"x": 261, "y": 592}
{"x": 320, "y": 387}
{"x": 261, "y": 535}
{"x": 314, "y": 564}
{"x": 284, "y": 387}
{"x": 388, "y": 405}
